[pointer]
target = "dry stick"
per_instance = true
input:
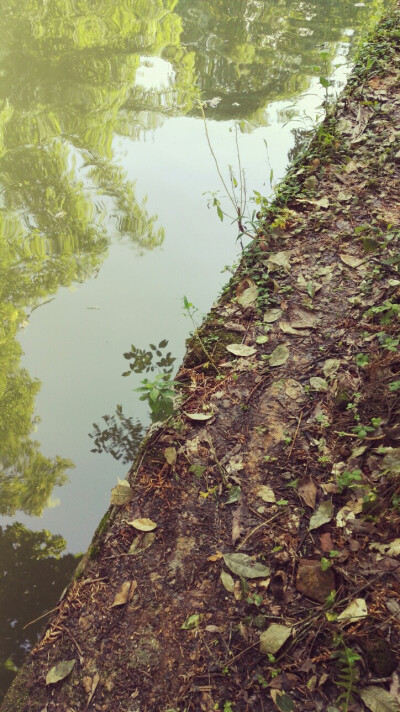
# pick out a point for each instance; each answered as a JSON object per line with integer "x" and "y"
{"x": 40, "y": 617}
{"x": 295, "y": 435}
{"x": 253, "y": 531}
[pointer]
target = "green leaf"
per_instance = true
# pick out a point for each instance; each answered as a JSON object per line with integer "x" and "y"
{"x": 192, "y": 622}
{"x": 59, "y": 671}
{"x": 243, "y": 565}
{"x": 220, "y": 213}
{"x": 233, "y": 494}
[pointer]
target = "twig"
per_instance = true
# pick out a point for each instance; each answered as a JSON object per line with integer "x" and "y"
{"x": 259, "y": 526}
{"x": 295, "y": 435}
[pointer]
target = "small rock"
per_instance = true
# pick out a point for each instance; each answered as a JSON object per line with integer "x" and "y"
{"x": 326, "y": 543}
{"x": 380, "y": 657}
{"x": 313, "y": 582}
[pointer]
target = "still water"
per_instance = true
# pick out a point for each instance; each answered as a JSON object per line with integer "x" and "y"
{"x": 105, "y": 226}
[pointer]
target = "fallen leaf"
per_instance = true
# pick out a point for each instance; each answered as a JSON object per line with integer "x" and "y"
{"x": 293, "y": 388}
{"x": 243, "y": 565}
{"x": 266, "y": 494}
{"x": 59, "y": 671}
{"x": 248, "y": 297}
{"x": 95, "y": 682}
{"x": 192, "y": 621}
{"x": 282, "y": 701}
{"x": 391, "y": 461}
{"x": 241, "y": 350}
{"x": 393, "y": 548}
{"x": 233, "y": 494}
{"x": 170, "y": 455}
{"x": 272, "y": 315}
{"x": 262, "y": 339}
{"x": 121, "y": 493}
{"x": 141, "y": 543}
{"x": 272, "y": 639}
{"x": 289, "y": 329}
{"x": 124, "y": 594}
{"x": 351, "y": 260}
{"x": 318, "y": 384}
{"x": 378, "y": 700}
{"x": 227, "y": 581}
{"x": 308, "y": 492}
{"x": 143, "y": 524}
{"x": 356, "y": 610}
{"x": 279, "y": 259}
{"x": 279, "y": 356}
{"x": 215, "y": 557}
{"x": 199, "y": 416}
{"x": 323, "y": 515}
{"x": 323, "y": 203}
{"x": 330, "y": 367}
{"x": 303, "y": 319}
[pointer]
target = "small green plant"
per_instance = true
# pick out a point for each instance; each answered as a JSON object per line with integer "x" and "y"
{"x": 348, "y": 673}
{"x": 190, "y": 311}
{"x": 159, "y": 394}
{"x": 348, "y": 479}
{"x": 362, "y": 360}
{"x": 394, "y": 386}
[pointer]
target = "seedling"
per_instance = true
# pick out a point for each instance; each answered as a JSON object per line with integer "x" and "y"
{"x": 348, "y": 479}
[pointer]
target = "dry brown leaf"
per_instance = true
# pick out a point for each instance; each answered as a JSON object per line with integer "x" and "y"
{"x": 308, "y": 492}
{"x": 124, "y": 594}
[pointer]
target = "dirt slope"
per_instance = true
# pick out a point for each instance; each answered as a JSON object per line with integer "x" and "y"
{"x": 283, "y": 507}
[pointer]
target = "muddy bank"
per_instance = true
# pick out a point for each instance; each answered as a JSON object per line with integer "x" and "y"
{"x": 252, "y": 562}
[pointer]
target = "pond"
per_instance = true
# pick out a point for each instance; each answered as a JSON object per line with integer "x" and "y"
{"x": 107, "y": 221}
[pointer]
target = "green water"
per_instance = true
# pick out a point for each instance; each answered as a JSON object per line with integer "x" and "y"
{"x": 104, "y": 227}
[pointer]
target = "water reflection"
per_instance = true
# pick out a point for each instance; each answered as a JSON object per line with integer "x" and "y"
{"x": 121, "y": 436}
{"x": 33, "y": 573}
{"x": 253, "y": 52}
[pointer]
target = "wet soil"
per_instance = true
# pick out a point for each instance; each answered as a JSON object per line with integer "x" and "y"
{"x": 253, "y": 562}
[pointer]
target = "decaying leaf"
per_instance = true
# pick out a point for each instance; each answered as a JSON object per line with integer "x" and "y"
{"x": 248, "y": 296}
{"x": 59, "y": 671}
{"x": 143, "y": 524}
{"x": 244, "y": 565}
{"x": 141, "y": 543}
{"x": 351, "y": 260}
{"x": 318, "y": 384}
{"x": 170, "y": 455}
{"x": 279, "y": 356}
{"x": 266, "y": 494}
{"x": 124, "y": 594}
{"x": 121, "y": 493}
{"x": 354, "y": 611}
{"x": 330, "y": 367}
{"x": 289, "y": 329}
{"x": 390, "y": 549}
{"x": 391, "y": 461}
{"x": 293, "y": 388}
{"x": 241, "y": 350}
{"x": 192, "y": 621}
{"x": 303, "y": 318}
{"x": 227, "y": 581}
{"x": 308, "y": 492}
{"x": 199, "y": 416}
{"x": 378, "y": 700}
{"x": 282, "y": 701}
{"x": 279, "y": 259}
{"x": 272, "y": 315}
{"x": 323, "y": 515}
{"x": 272, "y": 639}
{"x": 262, "y": 339}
